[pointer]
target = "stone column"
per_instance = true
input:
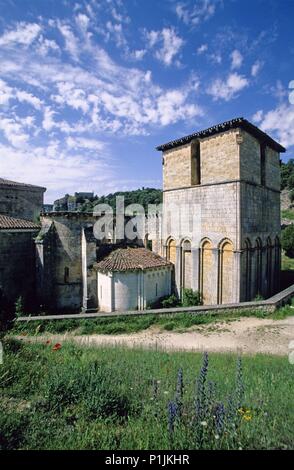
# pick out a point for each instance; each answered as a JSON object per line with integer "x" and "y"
{"x": 237, "y": 278}
{"x": 195, "y": 253}
{"x": 214, "y": 282}
{"x": 178, "y": 269}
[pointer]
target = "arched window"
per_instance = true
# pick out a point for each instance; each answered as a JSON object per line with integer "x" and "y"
{"x": 248, "y": 267}
{"x": 226, "y": 294}
{"x": 258, "y": 266}
{"x": 66, "y": 275}
{"x": 206, "y": 267}
{"x": 269, "y": 250}
{"x": 186, "y": 265}
{"x": 171, "y": 251}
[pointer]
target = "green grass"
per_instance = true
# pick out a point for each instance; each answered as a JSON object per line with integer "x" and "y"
{"x": 288, "y": 214}
{"x": 106, "y": 398}
{"x": 287, "y": 263}
{"x": 131, "y": 324}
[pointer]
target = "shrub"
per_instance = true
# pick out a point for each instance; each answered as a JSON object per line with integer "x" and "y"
{"x": 171, "y": 301}
{"x": 288, "y": 240}
{"x": 291, "y": 195}
{"x": 191, "y": 298}
{"x": 19, "y": 307}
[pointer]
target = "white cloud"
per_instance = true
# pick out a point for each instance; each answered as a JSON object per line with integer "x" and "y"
{"x": 59, "y": 170}
{"x": 227, "y": 89}
{"x": 138, "y": 54}
{"x": 257, "y": 117}
{"x": 13, "y": 131}
{"x": 47, "y": 45}
{"x": 71, "y": 42}
{"x": 169, "y": 44}
{"x": 48, "y": 121}
{"x": 200, "y": 12}
{"x": 201, "y": 49}
{"x": 89, "y": 144}
{"x": 82, "y": 21}
{"x": 23, "y": 96}
{"x": 280, "y": 122}
{"x": 215, "y": 58}
{"x": 73, "y": 97}
{"x": 25, "y": 34}
{"x": 255, "y": 69}
{"x": 237, "y": 59}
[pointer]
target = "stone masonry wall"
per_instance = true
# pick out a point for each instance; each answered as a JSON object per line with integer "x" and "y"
{"x": 24, "y": 203}
{"x": 17, "y": 266}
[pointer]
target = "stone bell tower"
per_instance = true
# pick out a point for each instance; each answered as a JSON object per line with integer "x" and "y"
{"x": 221, "y": 212}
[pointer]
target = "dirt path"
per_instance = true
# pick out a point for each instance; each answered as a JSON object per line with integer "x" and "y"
{"x": 249, "y": 335}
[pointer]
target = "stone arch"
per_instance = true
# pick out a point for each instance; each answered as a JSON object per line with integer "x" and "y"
{"x": 226, "y": 272}
{"x": 258, "y": 266}
{"x": 206, "y": 271}
{"x": 247, "y": 267}
{"x": 269, "y": 266}
{"x": 171, "y": 251}
{"x": 276, "y": 264}
{"x": 186, "y": 264}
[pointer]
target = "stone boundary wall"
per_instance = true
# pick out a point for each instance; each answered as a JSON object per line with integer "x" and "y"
{"x": 269, "y": 305}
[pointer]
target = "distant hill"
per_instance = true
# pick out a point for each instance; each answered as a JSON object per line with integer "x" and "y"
{"x": 83, "y": 202}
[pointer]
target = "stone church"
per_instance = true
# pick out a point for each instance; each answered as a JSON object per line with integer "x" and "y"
{"x": 221, "y": 212}
{"x": 218, "y": 233}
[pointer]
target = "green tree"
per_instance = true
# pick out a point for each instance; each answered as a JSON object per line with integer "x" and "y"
{"x": 288, "y": 240}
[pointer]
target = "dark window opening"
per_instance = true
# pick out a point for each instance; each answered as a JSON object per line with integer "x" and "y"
{"x": 156, "y": 289}
{"x": 196, "y": 162}
{"x": 262, "y": 164}
{"x": 66, "y": 275}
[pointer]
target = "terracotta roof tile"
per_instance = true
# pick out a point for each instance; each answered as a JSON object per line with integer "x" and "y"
{"x": 7, "y": 222}
{"x": 224, "y": 126}
{"x": 127, "y": 258}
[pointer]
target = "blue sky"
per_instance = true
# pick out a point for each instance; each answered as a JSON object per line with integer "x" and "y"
{"x": 89, "y": 88}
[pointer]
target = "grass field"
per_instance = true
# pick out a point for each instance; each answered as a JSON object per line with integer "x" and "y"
{"x": 69, "y": 397}
{"x": 287, "y": 214}
{"x": 130, "y": 324}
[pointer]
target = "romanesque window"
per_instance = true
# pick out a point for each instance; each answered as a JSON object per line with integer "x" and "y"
{"x": 258, "y": 266}
{"x": 206, "y": 272}
{"x": 186, "y": 265}
{"x": 171, "y": 251}
{"x": 66, "y": 274}
{"x": 226, "y": 272}
{"x": 262, "y": 164}
{"x": 248, "y": 263}
{"x": 269, "y": 266}
{"x": 195, "y": 163}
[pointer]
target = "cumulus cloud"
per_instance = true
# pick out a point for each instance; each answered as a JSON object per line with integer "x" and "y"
{"x": 280, "y": 122}
{"x": 24, "y": 34}
{"x": 166, "y": 42}
{"x": 13, "y": 131}
{"x": 237, "y": 59}
{"x": 229, "y": 88}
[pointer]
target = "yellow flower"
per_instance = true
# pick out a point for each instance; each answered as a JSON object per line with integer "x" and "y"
{"x": 247, "y": 417}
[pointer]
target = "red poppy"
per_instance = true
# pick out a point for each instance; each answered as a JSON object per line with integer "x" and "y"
{"x": 48, "y": 341}
{"x": 56, "y": 347}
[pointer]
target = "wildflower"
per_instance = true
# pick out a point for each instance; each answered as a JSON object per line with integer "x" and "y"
{"x": 48, "y": 341}
{"x": 172, "y": 414}
{"x": 56, "y": 347}
{"x": 165, "y": 392}
{"x": 216, "y": 437}
{"x": 203, "y": 423}
{"x": 201, "y": 396}
{"x": 247, "y": 417}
